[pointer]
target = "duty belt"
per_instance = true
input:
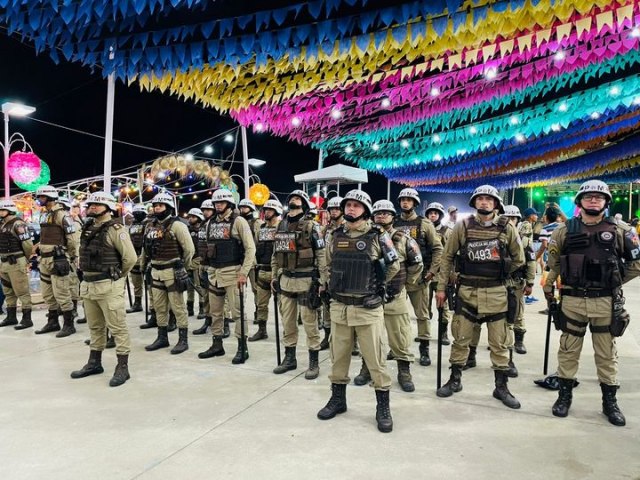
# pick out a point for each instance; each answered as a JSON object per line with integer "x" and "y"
{"x": 292, "y": 294}
{"x": 585, "y": 293}
{"x": 480, "y": 283}
{"x": 46, "y": 254}
{"x": 88, "y": 277}
{"x": 264, "y": 268}
{"x": 7, "y": 258}
{"x": 162, "y": 267}
{"x": 290, "y": 274}
{"x": 357, "y": 301}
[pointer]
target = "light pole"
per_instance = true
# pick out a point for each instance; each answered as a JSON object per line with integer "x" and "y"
{"x": 17, "y": 110}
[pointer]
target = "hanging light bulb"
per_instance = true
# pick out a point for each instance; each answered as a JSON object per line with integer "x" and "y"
{"x": 348, "y": 149}
{"x": 385, "y": 103}
{"x": 336, "y": 114}
{"x": 295, "y": 121}
{"x": 208, "y": 149}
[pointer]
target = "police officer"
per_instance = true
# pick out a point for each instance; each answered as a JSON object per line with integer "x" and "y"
{"x": 489, "y": 250}
{"x": 264, "y": 236}
{"x": 195, "y": 217}
{"x": 594, "y": 255}
{"x": 299, "y": 267}
{"x": 106, "y": 257}
{"x": 136, "y": 232}
{"x": 57, "y": 244}
{"x": 396, "y": 309}
{"x": 168, "y": 251}
{"x": 201, "y": 271}
{"x": 231, "y": 254}
{"x": 423, "y": 232}
{"x": 357, "y": 258}
{"x": 528, "y": 276}
{"x": 435, "y": 213}
{"x": 15, "y": 249}
{"x": 336, "y": 220}
{"x": 247, "y": 210}
{"x": 74, "y": 282}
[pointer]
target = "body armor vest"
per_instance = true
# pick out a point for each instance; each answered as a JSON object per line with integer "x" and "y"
{"x": 264, "y": 246}
{"x": 352, "y": 267}
{"x": 484, "y": 253}
{"x": 9, "y": 242}
{"x": 222, "y": 249}
{"x": 136, "y": 232}
{"x": 95, "y": 254}
{"x": 413, "y": 228}
{"x": 589, "y": 257}
{"x": 442, "y": 232}
{"x": 201, "y": 243}
{"x": 160, "y": 242}
{"x": 397, "y": 283}
{"x": 51, "y": 233}
{"x": 293, "y": 246}
{"x": 193, "y": 231}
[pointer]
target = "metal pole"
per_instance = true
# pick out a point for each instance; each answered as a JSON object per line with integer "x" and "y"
{"x": 108, "y": 136}
{"x": 338, "y": 188}
{"x": 320, "y": 159}
{"x": 245, "y": 160}
{"x": 531, "y": 197}
{"x": 388, "y": 189}
{"x": 7, "y": 191}
{"x": 630, "y": 200}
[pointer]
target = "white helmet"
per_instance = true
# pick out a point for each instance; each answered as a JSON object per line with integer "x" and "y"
{"x": 196, "y": 212}
{"x": 139, "y": 207}
{"x": 437, "y": 207}
{"x": 245, "y": 202}
{"x": 512, "y": 211}
{"x": 305, "y": 198}
{"x": 360, "y": 196}
{"x": 334, "y": 203}
{"x": 102, "y": 198}
{"x": 593, "y": 186}
{"x": 163, "y": 197}
{"x": 274, "y": 205}
{"x": 486, "y": 190}
{"x": 47, "y": 191}
{"x": 409, "y": 193}
{"x": 223, "y": 195}
{"x": 207, "y": 204}
{"x": 383, "y": 206}
{"x": 8, "y": 205}
{"x": 64, "y": 201}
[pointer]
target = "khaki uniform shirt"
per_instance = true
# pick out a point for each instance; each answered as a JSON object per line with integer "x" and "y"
{"x": 399, "y": 305}
{"x": 431, "y": 239}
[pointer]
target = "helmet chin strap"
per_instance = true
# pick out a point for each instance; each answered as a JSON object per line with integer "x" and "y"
{"x": 484, "y": 212}
{"x": 407, "y": 210}
{"x": 164, "y": 214}
{"x": 594, "y": 213}
{"x": 352, "y": 219}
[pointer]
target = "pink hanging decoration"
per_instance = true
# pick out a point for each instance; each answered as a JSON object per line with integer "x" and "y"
{"x": 24, "y": 167}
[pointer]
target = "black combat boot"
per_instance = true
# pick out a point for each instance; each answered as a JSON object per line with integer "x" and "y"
{"x": 152, "y": 321}
{"x": 242, "y": 354}
{"x": 337, "y": 403}
{"x": 137, "y": 305}
{"x": 289, "y": 361}
{"x": 68, "y": 327}
{"x": 82, "y": 320}
{"x": 201, "y": 313}
{"x": 190, "y": 312}
{"x": 501, "y": 392}
{"x": 471, "y": 359}
{"x": 355, "y": 351}
{"x": 404, "y": 376}
{"x": 383, "y": 411}
{"x": 610, "y": 405}
{"x": 445, "y": 337}
{"x": 26, "y": 321}
{"x": 161, "y": 341}
{"x": 183, "y": 343}
{"x": 215, "y": 350}
{"x": 226, "y": 333}
{"x": 364, "y": 377}
{"x": 261, "y": 334}
{"x": 121, "y": 373}
{"x": 519, "y": 342}
{"x": 74, "y": 310}
{"x": 93, "y": 366}
{"x": 565, "y": 395}
{"x": 205, "y": 326}
{"x": 512, "y": 372}
{"x": 255, "y": 316}
{"x": 11, "y": 318}
{"x": 324, "y": 344}
{"x": 425, "y": 361}
{"x": 314, "y": 368}
{"x": 52, "y": 323}
{"x": 111, "y": 342}
{"x": 390, "y": 355}
{"x": 454, "y": 385}
{"x": 172, "y": 325}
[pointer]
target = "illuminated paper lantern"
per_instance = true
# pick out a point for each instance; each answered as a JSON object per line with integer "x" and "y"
{"x": 43, "y": 179}
{"x": 259, "y": 194}
{"x": 24, "y": 167}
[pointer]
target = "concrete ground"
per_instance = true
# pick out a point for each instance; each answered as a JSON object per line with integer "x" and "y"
{"x": 182, "y": 417}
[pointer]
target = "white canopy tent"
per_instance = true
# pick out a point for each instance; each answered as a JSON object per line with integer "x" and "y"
{"x": 337, "y": 175}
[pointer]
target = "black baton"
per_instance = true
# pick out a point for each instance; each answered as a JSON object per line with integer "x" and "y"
{"x": 129, "y": 291}
{"x": 243, "y": 346}
{"x": 441, "y": 327}
{"x": 545, "y": 365}
{"x": 277, "y": 319}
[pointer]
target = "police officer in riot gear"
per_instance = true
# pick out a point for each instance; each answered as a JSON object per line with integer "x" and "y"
{"x": 136, "y": 232}
{"x": 594, "y": 255}
{"x": 195, "y": 217}
{"x": 106, "y": 256}
{"x": 423, "y": 232}
{"x": 15, "y": 249}
{"x": 201, "y": 272}
{"x": 230, "y": 255}
{"x": 299, "y": 268}
{"x": 168, "y": 250}
{"x": 247, "y": 210}
{"x": 361, "y": 260}
{"x": 57, "y": 242}
{"x": 264, "y": 236}
{"x": 488, "y": 249}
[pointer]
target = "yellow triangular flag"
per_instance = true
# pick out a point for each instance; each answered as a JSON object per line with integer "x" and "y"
{"x": 506, "y": 47}
{"x": 604, "y": 20}
{"x": 488, "y": 51}
{"x": 563, "y": 30}
{"x": 583, "y": 25}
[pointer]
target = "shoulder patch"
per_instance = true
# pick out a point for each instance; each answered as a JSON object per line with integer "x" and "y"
{"x": 122, "y": 236}
{"x": 117, "y": 226}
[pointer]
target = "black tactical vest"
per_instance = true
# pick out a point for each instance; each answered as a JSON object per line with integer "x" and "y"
{"x": 293, "y": 244}
{"x": 193, "y": 231}
{"x": 413, "y": 228}
{"x": 95, "y": 254}
{"x": 136, "y": 232}
{"x": 590, "y": 257}
{"x": 397, "y": 283}
{"x": 51, "y": 233}
{"x": 264, "y": 246}
{"x": 352, "y": 267}
{"x": 201, "y": 243}
{"x": 223, "y": 249}
{"x": 160, "y": 243}
{"x": 484, "y": 253}
{"x": 9, "y": 242}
